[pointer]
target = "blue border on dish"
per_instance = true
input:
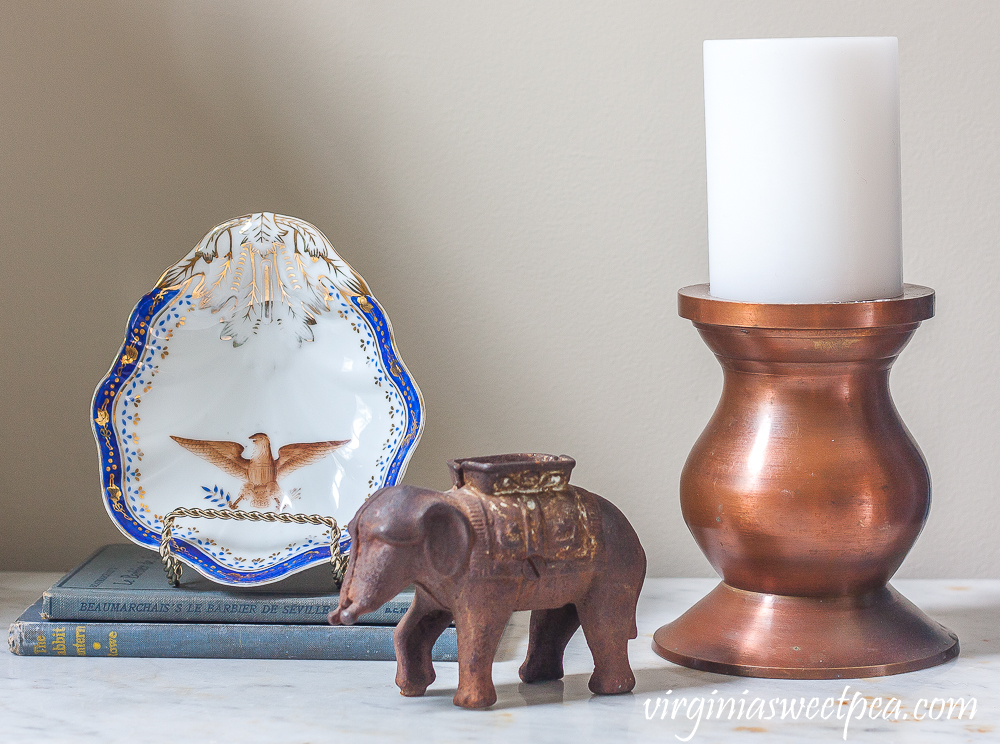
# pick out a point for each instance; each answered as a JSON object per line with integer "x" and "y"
{"x": 131, "y": 353}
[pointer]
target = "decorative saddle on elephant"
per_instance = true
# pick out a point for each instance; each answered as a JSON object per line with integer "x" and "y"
{"x": 530, "y": 519}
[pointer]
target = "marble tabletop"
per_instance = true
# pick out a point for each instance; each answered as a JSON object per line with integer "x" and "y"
{"x": 295, "y": 702}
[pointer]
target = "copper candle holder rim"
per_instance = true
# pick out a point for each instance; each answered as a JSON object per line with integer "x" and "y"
{"x": 697, "y": 304}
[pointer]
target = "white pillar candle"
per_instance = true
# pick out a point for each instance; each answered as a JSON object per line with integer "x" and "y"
{"x": 802, "y": 139}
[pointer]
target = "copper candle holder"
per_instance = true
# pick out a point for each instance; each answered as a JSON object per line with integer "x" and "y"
{"x": 805, "y": 492}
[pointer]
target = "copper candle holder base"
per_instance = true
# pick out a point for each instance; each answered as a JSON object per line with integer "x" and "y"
{"x": 805, "y": 492}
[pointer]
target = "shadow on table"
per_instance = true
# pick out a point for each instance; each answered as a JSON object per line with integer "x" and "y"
{"x": 977, "y": 629}
{"x": 574, "y": 687}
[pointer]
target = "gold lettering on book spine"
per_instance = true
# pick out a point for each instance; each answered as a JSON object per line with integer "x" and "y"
{"x": 80, "y": 644}
{"x": 59, "y": 641}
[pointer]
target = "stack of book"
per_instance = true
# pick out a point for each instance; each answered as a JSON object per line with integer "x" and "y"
{"x": 118, "y": 603}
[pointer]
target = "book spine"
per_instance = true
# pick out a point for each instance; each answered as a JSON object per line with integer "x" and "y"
{"x": 212, "y": 641}
{"x": 111, "y": 607}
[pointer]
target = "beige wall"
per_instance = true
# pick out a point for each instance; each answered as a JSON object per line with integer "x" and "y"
{"x": 523, "y": 186}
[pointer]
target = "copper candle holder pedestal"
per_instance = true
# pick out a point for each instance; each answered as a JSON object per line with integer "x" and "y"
{"x": 805, "y": 492}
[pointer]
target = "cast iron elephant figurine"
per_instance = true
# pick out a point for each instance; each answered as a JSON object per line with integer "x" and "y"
{"x": 512, "y": 534}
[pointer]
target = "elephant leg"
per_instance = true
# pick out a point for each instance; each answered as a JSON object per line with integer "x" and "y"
{"x": 413, "y": 640}
{"x": 608, "y": 624}
{"x": 478, "y": 638}
{"x": 548, "y": 635}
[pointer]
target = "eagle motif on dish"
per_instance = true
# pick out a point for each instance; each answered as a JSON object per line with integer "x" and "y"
{"x": 260, "y": 474}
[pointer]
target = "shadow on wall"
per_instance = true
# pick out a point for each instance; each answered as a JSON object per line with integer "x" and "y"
{"x": 119, "y": 155}
{"x": 139, "y": 127}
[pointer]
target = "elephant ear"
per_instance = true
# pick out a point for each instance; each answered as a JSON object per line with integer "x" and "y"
{"x": 447, "y": 538}
{"x": 394, "y": 514}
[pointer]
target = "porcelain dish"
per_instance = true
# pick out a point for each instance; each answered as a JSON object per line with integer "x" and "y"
{"x": 258, "y": 374}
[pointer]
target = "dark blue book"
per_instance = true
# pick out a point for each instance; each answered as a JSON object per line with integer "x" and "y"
{"x": 30, "y": 635}
{"x": 126, "y": 583}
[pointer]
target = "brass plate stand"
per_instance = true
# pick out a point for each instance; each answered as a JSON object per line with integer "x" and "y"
{"x": 172, "y": 565}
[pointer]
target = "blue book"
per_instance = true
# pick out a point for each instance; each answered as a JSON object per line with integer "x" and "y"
{"x": 30, "y": 635}
{"x": 126, "y": 583}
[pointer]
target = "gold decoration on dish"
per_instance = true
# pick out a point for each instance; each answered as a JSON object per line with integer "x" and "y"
{"x": 262, "y": 270}
{"x": 116, "y": 498}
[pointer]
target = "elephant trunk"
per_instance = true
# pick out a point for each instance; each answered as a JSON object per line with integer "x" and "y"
{"x": 345, "y": 612}
{"x": 341, "y": 615}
